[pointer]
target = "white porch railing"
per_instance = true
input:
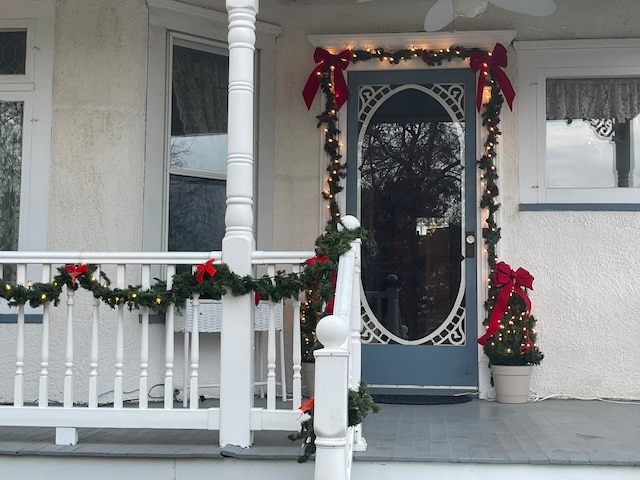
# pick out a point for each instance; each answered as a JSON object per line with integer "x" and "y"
{"x": 78, "y": 365}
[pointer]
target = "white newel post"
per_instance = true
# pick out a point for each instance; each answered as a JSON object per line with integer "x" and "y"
{"x": 236, "y": 364}
{"x": 330, "y": 405}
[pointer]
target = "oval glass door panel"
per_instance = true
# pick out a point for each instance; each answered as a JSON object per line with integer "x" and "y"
{"x": 411, "y": 186}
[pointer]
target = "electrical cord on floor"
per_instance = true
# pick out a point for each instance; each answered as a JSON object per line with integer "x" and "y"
{"x": 534, "y": 397}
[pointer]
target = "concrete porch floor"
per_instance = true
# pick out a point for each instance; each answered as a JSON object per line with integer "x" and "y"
{"x": 551, "y": 432}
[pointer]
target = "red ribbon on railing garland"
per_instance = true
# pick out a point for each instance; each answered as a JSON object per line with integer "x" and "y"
{"x": 206, "y": 267}
{"x": 326, "y": 60}
{"x": 332, "y": 276}
{"x": 75, "y": 271}
{"x": 509, "y": 282}
{"x": 312, "y": 260}
{"x": 307, "y": 406}
{"x": 492, "y": 62}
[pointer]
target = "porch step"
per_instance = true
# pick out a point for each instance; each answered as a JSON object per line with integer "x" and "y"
{"x": 477, "y": 440}
{"x": 167, "y": 468}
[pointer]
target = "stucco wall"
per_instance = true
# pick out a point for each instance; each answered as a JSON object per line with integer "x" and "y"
{"x": 99, "y": 96}
{"x": 97, "y": 162}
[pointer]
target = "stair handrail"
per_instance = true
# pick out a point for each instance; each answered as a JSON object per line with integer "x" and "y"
{"x": 337, "y": 370}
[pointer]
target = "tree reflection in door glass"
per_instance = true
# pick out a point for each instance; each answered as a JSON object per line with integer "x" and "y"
{"x": 411, "y": 204}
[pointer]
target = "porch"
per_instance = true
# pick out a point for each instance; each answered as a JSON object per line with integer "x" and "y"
{"x": 478, "y": 439}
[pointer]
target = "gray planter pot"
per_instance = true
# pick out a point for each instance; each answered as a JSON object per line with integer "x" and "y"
{"x": 511, "y": 383}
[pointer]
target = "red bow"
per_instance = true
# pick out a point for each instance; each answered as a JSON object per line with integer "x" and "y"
{"x": 312, "y": 260}
{"x": 75, "y": 271}
{"x": 307, "y": 406}
{"x": 325, "y": 61}
{"x": 205, "y": 267}
{"x": 494, "y": 62}
{"x": 508, "y": 281}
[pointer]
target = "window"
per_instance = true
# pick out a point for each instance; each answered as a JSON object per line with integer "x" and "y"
{"x": 13, "y": 52}
{"x": 26, "y": 66}
{"x": 579, "y": 115}
{"x": 185, "y": 171}
{"x": 198, "y": 147}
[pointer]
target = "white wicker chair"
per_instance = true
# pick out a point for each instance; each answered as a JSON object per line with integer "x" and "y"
{"x": 210, "y": 321}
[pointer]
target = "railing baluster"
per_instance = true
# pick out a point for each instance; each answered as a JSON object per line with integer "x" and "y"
{"x": 283, "y": 369}
{"x": 297, "y": 350}
{"x": 18, "y": 387}
{"x": 117, "y": 391}
{"x": 195, "y": 354}
{"x": 144, "y": 344}
{"x": 68, "y": 358}
{"x": 271, "y": 349}
{"x": 95, "y": 337}
{"x": 43, "y": 391}
{"x": 169, "y": 348}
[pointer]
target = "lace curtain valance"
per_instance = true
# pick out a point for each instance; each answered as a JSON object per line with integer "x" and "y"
{"x": 591, "y": 98}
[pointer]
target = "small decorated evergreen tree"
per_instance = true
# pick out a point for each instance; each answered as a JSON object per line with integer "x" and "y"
{"x": 511, "y": 337}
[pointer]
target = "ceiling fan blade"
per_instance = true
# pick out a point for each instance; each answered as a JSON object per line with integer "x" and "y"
{"x": 439, "y": 16}
{"x": 538, "y": 8}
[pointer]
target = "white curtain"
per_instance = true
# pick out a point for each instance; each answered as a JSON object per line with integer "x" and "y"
{"x": 593, "y": 98}
{"x": 200, "y": 82}
{"x": 11, "y": 115}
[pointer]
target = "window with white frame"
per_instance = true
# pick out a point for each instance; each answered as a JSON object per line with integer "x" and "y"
{"x": 185, "y": 170}
{"x": 579, "y": 124}
{"x": 26, "y": 66}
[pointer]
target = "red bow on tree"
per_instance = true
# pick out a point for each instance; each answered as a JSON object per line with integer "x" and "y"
{"x": 509, "y": 282}
{"x": 75, "y": 271}
{"x": 206, "y": 267}
{"x": 492, "y": 63}
{"x": 325, "y": 61}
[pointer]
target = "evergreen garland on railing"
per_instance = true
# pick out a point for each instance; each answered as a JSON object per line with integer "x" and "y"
{"x": 332, "y": 243}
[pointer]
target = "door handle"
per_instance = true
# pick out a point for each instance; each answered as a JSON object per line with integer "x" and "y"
{"x": 470, "y": 244}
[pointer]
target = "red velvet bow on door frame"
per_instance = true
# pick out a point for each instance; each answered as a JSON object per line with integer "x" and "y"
{"x": 327, "y": 60}
{"x": 509, "y": 282}
{"x": 492, "y": 63}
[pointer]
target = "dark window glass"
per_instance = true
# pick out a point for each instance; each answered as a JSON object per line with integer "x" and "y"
{"x": 13, "y": 52}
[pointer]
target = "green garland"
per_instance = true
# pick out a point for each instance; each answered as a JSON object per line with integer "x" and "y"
{"x": 332, "y": 243}
{"x": 486, "y": 164}
{"x": 490, "y": 120}
{"x": 359, "y": 405}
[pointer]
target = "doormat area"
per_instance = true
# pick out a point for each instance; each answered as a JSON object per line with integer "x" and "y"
{"x": 421, "y": 399}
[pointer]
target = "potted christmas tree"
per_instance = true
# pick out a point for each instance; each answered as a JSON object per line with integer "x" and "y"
{"x": 510, "y": 339}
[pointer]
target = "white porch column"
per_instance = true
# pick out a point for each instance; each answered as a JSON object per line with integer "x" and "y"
{"x": 236, "y": 351}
